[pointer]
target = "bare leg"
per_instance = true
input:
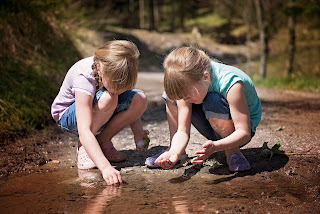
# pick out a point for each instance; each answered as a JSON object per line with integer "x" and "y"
{"x": 224, "y": 128}
{"x": 138, "y": 130}
{"x": 125, "y": 118}
{"x": 101, "y": 113}
{"x": 172, "y": 115}
{"x": 103, "y": 110}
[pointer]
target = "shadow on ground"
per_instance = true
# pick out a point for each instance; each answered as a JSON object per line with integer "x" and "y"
{"x": 258, "y": 165}
{"x": 136, "y": 158}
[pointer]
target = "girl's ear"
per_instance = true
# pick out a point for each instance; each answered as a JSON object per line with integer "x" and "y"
{"x": 206, "y": 76}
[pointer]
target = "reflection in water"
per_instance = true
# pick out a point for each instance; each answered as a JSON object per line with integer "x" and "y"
{"x": 182, "y": 205}
{"x": 97, "y": 204}
{"x": 70, "y": 191}
{"x": 88, "y": 178}
{"x": 99, "y": 201}
{"x": 188, "y": 173}
{"x": 178, "y": 202}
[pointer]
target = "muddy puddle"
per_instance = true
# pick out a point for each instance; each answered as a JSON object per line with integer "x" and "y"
{"x": 69, "y": 190}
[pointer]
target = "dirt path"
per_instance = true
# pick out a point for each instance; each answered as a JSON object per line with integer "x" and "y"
{"x": 285, "y": 184}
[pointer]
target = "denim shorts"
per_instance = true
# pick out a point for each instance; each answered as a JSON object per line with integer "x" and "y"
{"x": 68, "y": 121}
{"x": 214, "y": 105}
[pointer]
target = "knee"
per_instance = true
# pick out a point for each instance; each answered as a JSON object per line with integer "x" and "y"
{"x": 171, "y": 107}
{"x": 214, "y": 98}
{"x": 139, "y": 101}
{"x": 215, "y": 103}
{"x": 107, "y": 102}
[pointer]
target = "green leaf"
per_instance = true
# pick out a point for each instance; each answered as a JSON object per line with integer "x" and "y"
{"x": 265, "y": 146}
{"x": 276, "y": 146}
{"x": 147, "y": 140}
{"x": 267, "y": 152}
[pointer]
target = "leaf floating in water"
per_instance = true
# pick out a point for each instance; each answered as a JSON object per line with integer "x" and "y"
{"x": 211, "y": 162}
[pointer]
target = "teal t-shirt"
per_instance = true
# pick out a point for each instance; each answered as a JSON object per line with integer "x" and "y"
{"x": 224, "y": 76}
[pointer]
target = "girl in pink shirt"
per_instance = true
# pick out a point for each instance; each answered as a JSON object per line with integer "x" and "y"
{"x": 97, "y": 116}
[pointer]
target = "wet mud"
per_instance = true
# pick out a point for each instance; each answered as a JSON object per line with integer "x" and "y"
{"x": 39, "y": 173}
{"x": 191, "y": 189}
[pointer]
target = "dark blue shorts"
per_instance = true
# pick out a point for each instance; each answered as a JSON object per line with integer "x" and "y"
{"x": 214, "y": 106}
{"x": 68, "y": 121}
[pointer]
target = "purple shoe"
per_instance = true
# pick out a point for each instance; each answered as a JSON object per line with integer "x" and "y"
{"x": 237, "y": 162}
{"x": 150, "y": 160}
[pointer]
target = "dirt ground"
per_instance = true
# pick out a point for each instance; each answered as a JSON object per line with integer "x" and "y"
{"x": 285, "y": 183}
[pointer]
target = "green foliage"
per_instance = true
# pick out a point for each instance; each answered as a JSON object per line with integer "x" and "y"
{"x": 46, "y": 5}
{"x": 8, "y": 7}
{"x": 299, "y": 83}
{"x": 306, "y": 73}
{"x": 207, "y": 21}
{"x": 22, "y": 106}
{"x": 293, "y": 9}
{"x": 268, "y": 153}
{"x": 33, "y": 52}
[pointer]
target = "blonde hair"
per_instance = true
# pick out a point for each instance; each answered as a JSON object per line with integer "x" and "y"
{"x": 182, "y": 68}
{"x": 118, "y": 61}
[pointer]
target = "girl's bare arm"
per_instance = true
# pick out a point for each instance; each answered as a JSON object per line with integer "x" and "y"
{"x": 181, "y": 137}
{"x": 241, "y": 119}
{"x": 89, "y": 141}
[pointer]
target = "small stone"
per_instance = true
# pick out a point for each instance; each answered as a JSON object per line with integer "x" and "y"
{"x": 143, "y": 143}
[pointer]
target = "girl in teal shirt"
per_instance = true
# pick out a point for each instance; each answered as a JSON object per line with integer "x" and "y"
{"x": 219, "y": 100}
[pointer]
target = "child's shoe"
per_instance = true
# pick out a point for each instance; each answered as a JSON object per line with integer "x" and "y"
{"x": 111, "y": 153}
{"x": 150, "y": 160}
{"x": 84, "y": 161}
{"x": 237, "y": 162}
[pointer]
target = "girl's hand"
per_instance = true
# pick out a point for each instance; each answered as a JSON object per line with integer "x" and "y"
{"x": 167, "y": 159}
{"x": 208, "y": 149}
{"x": 112, "y": 176}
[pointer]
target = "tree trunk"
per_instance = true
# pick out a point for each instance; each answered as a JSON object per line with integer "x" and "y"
{"x": 151, "y": 15}
{"x": 156, "y": 13}
{"x": 182, "y": 14}
{"x": 131, "y": 6}
{"x": 248, "y": 42}
{"x": 131, "y": 14}
{"x": 247, "y": 16}
{"x": 173, "y": 16}
{"x": 291, "y": 44}
{"x": 141, "y": 14}
{"x": 263, "y": 40}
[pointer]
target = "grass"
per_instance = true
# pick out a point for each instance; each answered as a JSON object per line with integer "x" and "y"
{"x": 26, "y": 95}
{"x": 290, "y": 83}
{"x": 20, "y": 112}
{"x": 34, "y": 57}
{"x": 306, "y": 68}
{"x": 208, "y": 21}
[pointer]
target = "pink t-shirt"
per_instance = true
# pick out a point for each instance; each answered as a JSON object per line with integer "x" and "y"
{"x": 78, "y": 78}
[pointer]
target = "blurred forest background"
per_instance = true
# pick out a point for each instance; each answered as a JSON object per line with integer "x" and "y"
{"x": 277, "y": 42}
